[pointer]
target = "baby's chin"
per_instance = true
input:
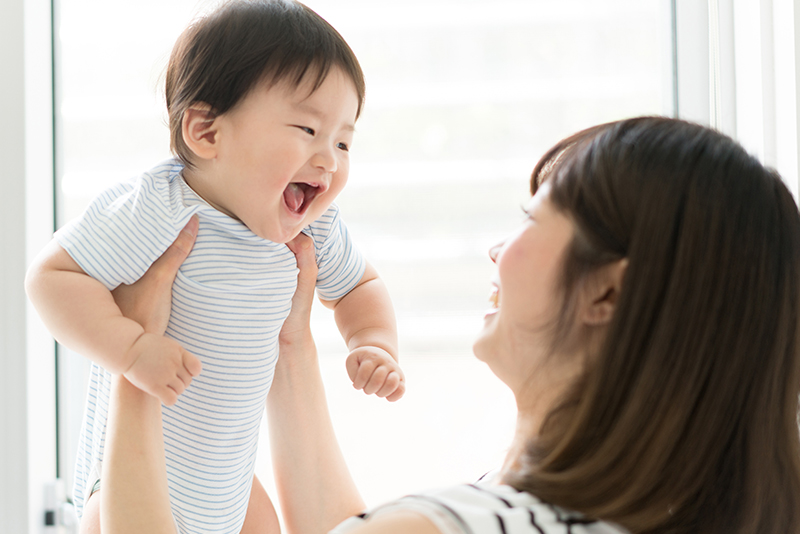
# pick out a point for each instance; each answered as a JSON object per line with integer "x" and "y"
{"x": 284, "y": 231}
{"x": 281, "y": 235}
{"x": 282, "y": 238}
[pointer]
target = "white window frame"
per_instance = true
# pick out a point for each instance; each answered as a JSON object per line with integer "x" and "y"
{"x": 708, "y": 90}
{"x": 27, "y": 352}
{"x": 737, "y": 63}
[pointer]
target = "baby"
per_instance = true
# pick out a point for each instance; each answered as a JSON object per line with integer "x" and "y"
{"x": 262, "y": 98}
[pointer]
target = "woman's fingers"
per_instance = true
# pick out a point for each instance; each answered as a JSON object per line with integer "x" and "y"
{"x": 149, "y": 300}
{"x": 298, "y": 321}
{"x": 168, "y": 264}
{"x": 303, "y": 248}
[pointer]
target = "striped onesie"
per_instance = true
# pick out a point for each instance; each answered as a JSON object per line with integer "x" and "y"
{"x": 229, "y": 301}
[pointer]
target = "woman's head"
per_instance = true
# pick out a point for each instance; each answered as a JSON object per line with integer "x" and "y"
{"x": 515, "y": 337}
{"x": 223, "y": 56}
{"x": 684, "y": 415}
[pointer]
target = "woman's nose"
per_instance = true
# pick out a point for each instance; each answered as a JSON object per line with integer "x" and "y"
{"x": 494, "y": 251}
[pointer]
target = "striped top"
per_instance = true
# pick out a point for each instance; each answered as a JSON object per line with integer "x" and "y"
{"x": 229, "y": 301}
{"x": 487, "y": 508}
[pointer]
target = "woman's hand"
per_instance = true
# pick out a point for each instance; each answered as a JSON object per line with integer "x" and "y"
{"x": 296, "y": 328}
{"x": 314, "y": 485}
{"x": 149, "y": 300}
{"x": 162, "y": 368}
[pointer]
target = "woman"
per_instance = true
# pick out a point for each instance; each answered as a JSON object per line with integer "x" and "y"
{"x": 646, "y": 320}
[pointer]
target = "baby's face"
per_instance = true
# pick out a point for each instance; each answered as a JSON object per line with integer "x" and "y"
{"x": 283, "y": 155}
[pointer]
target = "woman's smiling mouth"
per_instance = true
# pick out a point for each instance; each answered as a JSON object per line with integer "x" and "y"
{"x": 494, "y": 297}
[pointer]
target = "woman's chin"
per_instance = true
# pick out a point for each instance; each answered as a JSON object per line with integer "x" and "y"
{"x": 491, "y": 345}
{"x": 484, "y": 345}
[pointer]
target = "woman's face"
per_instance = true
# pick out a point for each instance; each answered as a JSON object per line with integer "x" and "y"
{"x": 526, "y": 297}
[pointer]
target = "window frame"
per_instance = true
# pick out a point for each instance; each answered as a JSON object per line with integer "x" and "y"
{"x": 28, "y": 393}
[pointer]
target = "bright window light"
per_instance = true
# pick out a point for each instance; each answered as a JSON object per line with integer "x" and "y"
{"x": 462, "y": 99}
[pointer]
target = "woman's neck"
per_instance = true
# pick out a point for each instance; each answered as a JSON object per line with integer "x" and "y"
{"x": 535, "y": 399}
{"x": 527, "y": 429}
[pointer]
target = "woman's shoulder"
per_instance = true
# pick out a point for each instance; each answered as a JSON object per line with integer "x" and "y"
{"x": 488, "y": 508}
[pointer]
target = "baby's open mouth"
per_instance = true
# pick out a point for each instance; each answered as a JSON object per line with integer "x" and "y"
{"x": 298, "y": 196}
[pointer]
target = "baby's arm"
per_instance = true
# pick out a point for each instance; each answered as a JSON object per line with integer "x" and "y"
{"x": 365, "y": 318}
{"x": 81, "y": 314}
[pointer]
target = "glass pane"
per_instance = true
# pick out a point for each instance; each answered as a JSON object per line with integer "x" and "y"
{"x": 462, "y": 99}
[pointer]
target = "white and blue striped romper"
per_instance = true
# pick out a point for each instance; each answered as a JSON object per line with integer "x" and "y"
{"x": 229, "y": 301}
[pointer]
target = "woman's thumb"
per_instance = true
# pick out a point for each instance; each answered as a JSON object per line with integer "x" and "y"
{"x": 178, "y": 251}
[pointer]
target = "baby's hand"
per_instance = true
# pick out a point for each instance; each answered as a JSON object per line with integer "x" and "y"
{"x": 162, "y": 367}
{"x": 376, "y": 372}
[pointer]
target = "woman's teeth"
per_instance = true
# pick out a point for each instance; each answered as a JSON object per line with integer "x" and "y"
{"x": 494, "y": 298}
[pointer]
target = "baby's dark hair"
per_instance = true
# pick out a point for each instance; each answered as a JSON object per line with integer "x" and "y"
{"x": 222, "y": 56}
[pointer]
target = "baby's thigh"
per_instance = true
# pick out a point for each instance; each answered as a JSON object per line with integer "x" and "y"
{"x": 90, "y": 522}
{"x": 261, "y": 517}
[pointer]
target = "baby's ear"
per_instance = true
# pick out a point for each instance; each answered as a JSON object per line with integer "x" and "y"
{"x": 603, "y": 293}
{"x": 199, "y": 130}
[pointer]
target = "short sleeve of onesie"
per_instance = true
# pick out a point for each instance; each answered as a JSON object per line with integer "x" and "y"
{"x": 126, "y": 228}
{"x": 341, "y": 265}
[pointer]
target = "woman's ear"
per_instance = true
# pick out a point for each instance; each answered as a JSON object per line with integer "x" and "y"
{"x": 603, "y": 293}
{"x": 199, "y": 129}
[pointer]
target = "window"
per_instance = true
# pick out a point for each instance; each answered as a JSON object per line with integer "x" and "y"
{"x": 462, "y": 99}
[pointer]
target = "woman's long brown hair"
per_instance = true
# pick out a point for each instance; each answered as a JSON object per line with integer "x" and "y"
{"x": 686, "y": 420}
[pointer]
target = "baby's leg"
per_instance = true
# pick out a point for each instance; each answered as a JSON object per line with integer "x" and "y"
{"x": 90, "y": 522}
{"x": 261, "y": 517}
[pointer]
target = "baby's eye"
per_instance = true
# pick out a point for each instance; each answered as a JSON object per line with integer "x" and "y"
{"x": 306, "y": 129}
{"x": 343, "y": 146}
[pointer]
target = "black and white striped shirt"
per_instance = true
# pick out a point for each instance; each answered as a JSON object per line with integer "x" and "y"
{"x": 486, "y": 508}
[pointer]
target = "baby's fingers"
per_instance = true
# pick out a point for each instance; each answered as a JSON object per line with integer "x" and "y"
{"x": 191, "y": 364}
{"x": 393, "y": 387}
{"x": 178, "y": 386}
{"x": 167, "y": 395}
{"x": 376, "y": 380}
{"x": 361, "y": 374}
{"x": 191, "y": 367}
